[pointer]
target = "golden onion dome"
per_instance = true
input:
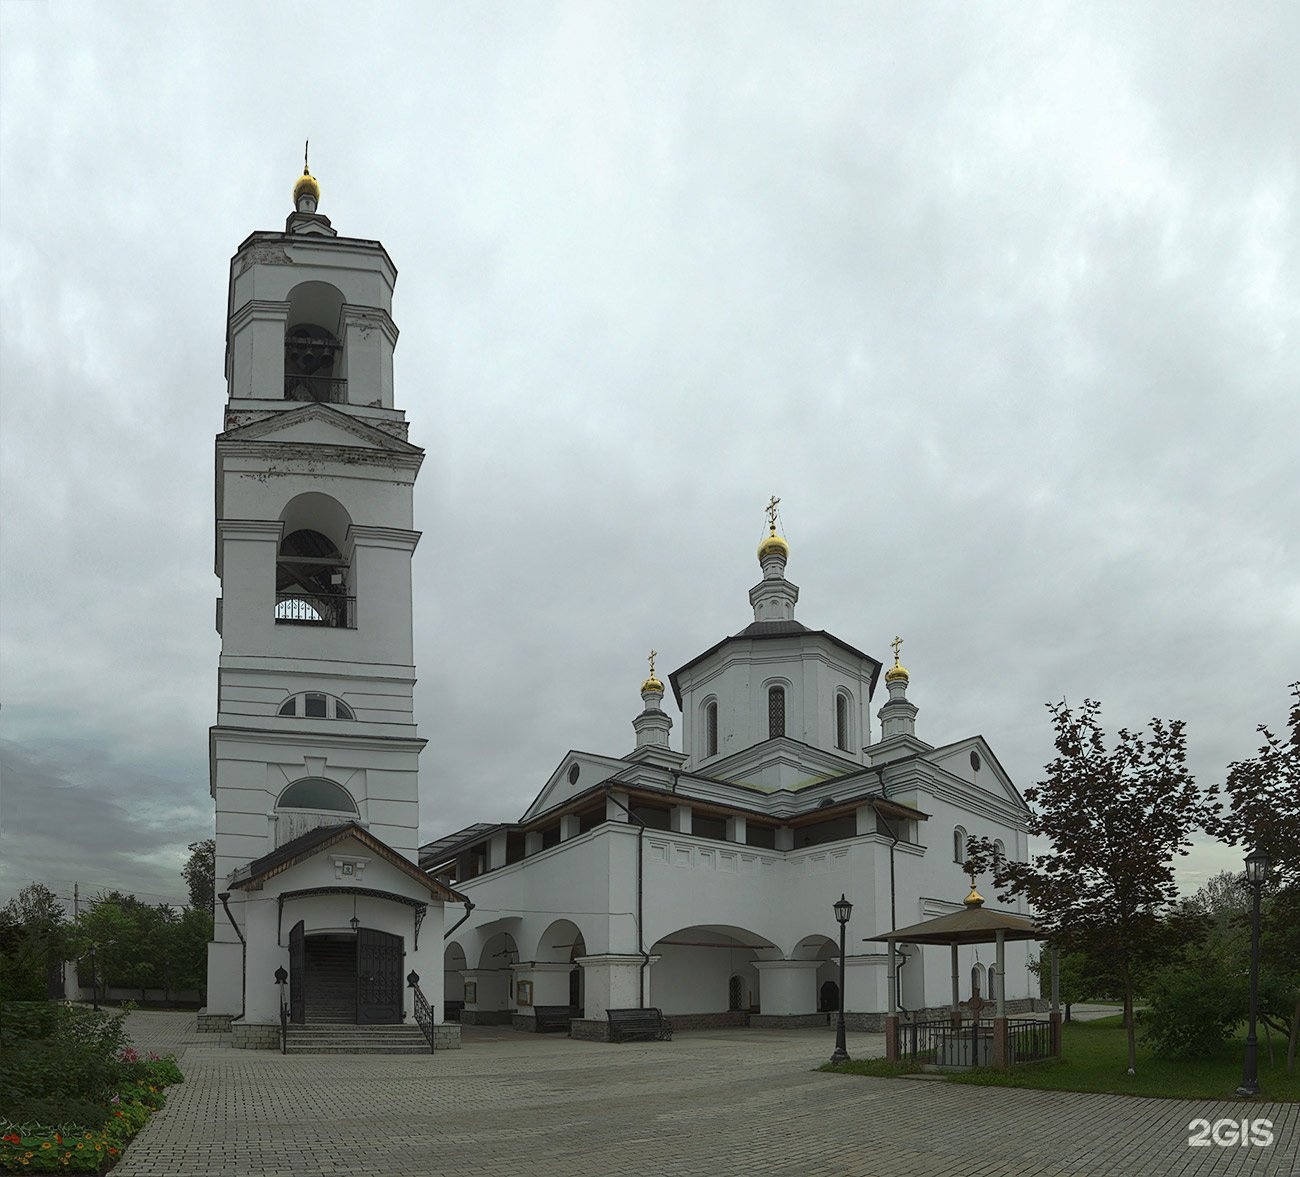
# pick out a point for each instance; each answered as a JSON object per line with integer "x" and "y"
{"x": 306, "y": 185}
{"x": 652, "y": 684}
{"x": 774, "y": 545}
{"x": 897, "y": 673}
{"x": 974, "y": 899}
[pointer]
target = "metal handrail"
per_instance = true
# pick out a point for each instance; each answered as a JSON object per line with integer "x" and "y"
{"x": 423, "y": 1012}
{"x": 321, "y": 389}
{"x": 284, "y": 1023}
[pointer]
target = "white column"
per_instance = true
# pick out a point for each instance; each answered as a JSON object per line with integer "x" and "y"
{"x": 612, "y": 981}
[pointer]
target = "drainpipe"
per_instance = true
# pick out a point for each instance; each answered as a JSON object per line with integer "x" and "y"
{"x": 469, "y": 907}
{"x": 640, "y": 886}
{"x": 243, "y": 977}
{"x": 893, "y": 901}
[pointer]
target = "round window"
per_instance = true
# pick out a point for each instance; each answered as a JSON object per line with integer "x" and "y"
{"x": 975, "y": 760}
{"x": 573, "y": 775}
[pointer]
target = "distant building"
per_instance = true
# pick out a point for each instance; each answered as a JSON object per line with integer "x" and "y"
{"x": 701, "y": 881}
{"x": 314, "y": 757}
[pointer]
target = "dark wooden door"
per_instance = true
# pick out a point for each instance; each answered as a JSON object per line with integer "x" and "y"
{"x": 297, "y": 974}
{"x": 379, "y": 977}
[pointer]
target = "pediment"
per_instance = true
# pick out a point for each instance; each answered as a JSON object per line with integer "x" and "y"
{"x": 316, "y": 424}
{"x": 563, "y": 784}
{"x": 955, "y": 759}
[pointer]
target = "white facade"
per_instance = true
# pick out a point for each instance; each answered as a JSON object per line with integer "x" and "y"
{"x": 314, "y": 538}
{"x": 701, "y": 881}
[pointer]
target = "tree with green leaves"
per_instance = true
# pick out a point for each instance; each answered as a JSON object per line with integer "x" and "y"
{"x": 200, "y": 872}
{"x": 1115, "y": 820}
{"x": 35, "y": 937}
{"x": 1264, "y": 814}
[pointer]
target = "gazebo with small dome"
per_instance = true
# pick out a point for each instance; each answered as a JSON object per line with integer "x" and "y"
{"x": 963, "y": 1039}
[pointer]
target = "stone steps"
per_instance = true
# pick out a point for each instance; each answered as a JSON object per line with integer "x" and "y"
{"x": 328, "y": 1038}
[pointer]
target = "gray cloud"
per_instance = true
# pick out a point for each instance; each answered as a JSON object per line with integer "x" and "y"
{"x": 1001, "y": 300}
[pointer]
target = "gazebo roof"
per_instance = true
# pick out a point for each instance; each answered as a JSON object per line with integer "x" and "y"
{"x": 972, "y": 925}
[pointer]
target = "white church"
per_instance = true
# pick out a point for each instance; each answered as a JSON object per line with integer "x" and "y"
{"x": 699, "y": 881}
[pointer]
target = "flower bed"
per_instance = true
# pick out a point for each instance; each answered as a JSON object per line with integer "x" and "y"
{"x": 90, "y": 1147}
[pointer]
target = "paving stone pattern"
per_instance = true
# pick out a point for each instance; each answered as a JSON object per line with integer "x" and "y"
{"x": 716, "y": 1102}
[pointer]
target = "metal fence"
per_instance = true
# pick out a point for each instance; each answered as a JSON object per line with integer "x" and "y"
{"x": 940, "y": 1043}
{"x": 333, "y": 612}
{"x": 1028, "y": 1039}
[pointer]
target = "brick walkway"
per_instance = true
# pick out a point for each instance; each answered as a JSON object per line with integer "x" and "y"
{"x": 711, "y": 1102}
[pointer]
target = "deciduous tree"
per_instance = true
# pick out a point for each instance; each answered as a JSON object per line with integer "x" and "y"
{"x": 1264, "y": 814}
{"x": 200, "y": 872}
{"x": 1115, "y": 820}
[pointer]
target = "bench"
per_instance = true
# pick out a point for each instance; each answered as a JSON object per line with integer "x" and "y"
{"x": 639, "y": 1025}
{"x": 549, "y": 1019}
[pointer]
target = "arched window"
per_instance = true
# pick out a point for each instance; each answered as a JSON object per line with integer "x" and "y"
{"x": 316, "y": 705}
{"x": 309, "y": 803}
{"x": 311, "y": 582}
{"x": 317, "y": 792}
{"x": 842, "y": 721}
{"x": 711, "y": 728}
{"x": 999, "y": 851}
{"x": 775, "y": 712}
{"x": 959, "y": 845}
{"x": 313, "y": 355}
{"x": 977, "y": 980}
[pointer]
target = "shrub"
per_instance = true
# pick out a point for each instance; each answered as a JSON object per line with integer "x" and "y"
{"x": 59, "y": 1052}
{"x": 58, "y": 1113}
{"x": 1193, "y": 1009}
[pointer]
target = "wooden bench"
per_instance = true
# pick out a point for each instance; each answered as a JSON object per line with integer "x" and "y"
{"x": 550, "y": 1019}
{"x": 639, "y": 1025}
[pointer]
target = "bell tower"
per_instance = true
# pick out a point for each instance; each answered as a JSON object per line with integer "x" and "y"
{"x": 314, "y": 539}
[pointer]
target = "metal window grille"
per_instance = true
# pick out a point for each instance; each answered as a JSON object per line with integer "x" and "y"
{"x": 776, "y": 712}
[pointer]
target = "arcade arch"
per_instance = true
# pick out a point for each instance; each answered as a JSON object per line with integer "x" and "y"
{"x": 708, "y": 968}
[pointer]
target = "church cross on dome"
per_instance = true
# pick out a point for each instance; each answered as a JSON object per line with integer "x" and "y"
{"x": 653, "y": 655}
{"x": 896, "y": 643}
{"x": 771, "y": 513}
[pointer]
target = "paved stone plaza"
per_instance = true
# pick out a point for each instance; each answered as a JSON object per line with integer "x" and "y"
{"x": 712, "y": 1102}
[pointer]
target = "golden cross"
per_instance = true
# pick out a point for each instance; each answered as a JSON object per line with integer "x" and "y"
{"x": 653, "y": 654}
{"x": 771, "y": 513}
{"x": 305, "y": 144}
{"x": 896, "y": 643}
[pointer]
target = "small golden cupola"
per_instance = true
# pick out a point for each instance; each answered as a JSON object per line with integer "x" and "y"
{"x": 773, "y": 544}
{"x": 652, "y": 683}
{"x": 306, "y": 192}
{"x": 897, "y": 672}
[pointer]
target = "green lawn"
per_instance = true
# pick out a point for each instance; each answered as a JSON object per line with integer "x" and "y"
{"x": 1095, "y": 1055}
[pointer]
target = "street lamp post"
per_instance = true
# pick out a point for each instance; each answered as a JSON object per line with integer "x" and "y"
{"x": 843, "y": 909}
{"x": 1256, "y": 872}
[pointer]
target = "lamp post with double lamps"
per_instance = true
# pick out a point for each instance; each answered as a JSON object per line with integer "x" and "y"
{"x": 843, "y": 909}
{"x": 1256, "y": 872}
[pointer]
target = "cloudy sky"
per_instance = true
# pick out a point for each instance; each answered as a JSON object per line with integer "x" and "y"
{"x": 1002, "y": 300}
